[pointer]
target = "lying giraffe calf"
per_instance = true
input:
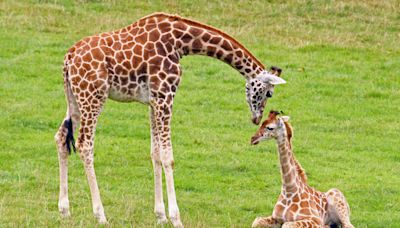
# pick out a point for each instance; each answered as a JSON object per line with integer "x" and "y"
{"x": 299, "y": 205}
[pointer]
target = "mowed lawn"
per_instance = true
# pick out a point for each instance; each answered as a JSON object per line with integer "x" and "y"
{"x": 341, "y": 60}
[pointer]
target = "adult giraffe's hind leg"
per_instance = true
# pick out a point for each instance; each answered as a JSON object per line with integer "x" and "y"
{"x": 85, "y": 146}
{"x": 90, "y": 105}
{"x": 159, "y": 208}
{"x": 64, "y": 148}
{"x": 339, "y": 207}
{"x": 61, "y": 138}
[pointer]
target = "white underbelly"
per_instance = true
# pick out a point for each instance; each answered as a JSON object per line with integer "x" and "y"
{"x": 139, "y": 94}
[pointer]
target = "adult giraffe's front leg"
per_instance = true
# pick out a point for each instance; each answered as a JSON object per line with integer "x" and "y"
{"x": 163, "y": 114}
{"x": 159, "y": 208}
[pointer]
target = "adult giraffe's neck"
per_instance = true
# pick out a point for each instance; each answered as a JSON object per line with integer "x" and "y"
{"x": 288, "y": 164}
{"x": 193, "y": 38}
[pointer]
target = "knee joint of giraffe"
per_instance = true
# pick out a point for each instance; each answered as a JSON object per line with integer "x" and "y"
{"x": 61, "y": 133}
{"x": 57, "y": 137}
{"x": 82, "y": 145}
{"x": 155, "y": 156}
{"x": 60, "y": 138}
{"x": 168, "y": 163}
{"x": 60, "y": 142}
{"x": 85, "y": 154}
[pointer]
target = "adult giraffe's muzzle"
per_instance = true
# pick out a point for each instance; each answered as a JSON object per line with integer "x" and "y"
{"x": 256, "y": 120}
{"x": 257, "y": 116}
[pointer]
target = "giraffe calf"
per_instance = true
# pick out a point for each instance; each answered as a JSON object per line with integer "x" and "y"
{"x": 299, "y": 205}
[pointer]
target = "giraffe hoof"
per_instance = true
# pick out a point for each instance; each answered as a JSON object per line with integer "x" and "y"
{"x": 63, "y": 208}
{"x": 101, "y": 218}
{"x": 64, "y": 212}
{"x": 162, "y": 220}
{"x": 102, "y": 221}
{"x": 176, "y": 222}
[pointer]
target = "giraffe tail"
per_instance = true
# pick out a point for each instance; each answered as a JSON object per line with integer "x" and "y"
{"x": 69, "y": 140}
{"x": 68, "y": 124}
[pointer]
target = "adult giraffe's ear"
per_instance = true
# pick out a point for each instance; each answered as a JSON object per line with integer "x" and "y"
{"x": 269, "y": 78}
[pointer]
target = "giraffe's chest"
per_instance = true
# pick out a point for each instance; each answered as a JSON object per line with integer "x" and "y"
{"x": 129, "y": 88}
{"x": 299, "y": 206}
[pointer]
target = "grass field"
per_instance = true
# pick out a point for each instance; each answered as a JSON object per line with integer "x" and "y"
{"x": 341, "y": 60}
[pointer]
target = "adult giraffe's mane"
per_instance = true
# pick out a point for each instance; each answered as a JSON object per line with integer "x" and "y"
{"x": 204, "y": 26}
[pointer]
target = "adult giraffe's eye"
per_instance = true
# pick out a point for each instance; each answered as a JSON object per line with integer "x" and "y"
{"x": 270, "y": 128}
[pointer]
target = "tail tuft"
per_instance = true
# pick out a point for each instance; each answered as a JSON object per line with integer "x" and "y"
{"x": 70, "y": 136}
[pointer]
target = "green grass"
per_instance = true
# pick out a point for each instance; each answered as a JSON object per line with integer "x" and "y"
{"x": 341, "y": 60}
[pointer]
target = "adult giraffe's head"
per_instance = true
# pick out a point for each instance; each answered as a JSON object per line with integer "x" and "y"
{"x": 259, "y": 89}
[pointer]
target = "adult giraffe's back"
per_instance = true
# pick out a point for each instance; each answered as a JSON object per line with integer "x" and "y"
{"x": 141, "y": 63}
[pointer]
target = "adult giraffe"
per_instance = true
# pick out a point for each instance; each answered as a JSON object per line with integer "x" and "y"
{"x": 141, "y": 63}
